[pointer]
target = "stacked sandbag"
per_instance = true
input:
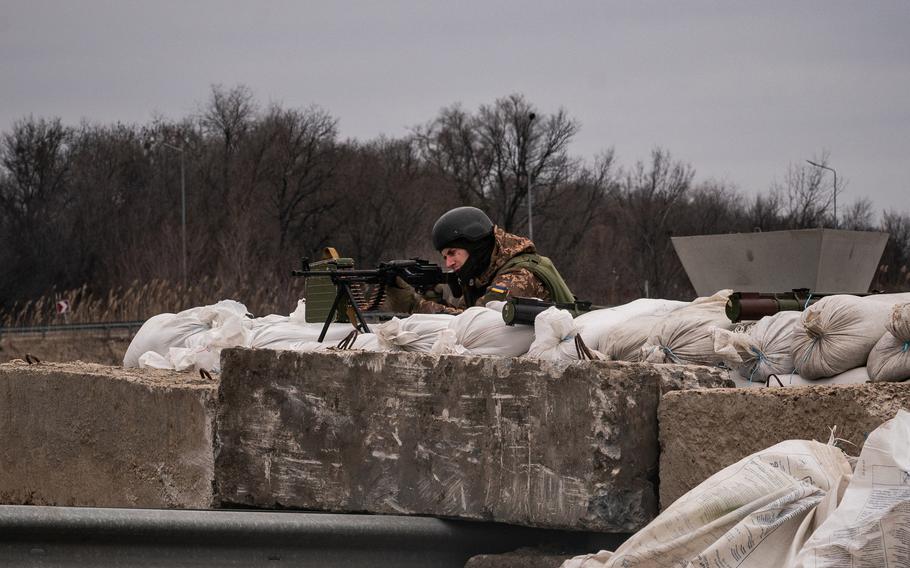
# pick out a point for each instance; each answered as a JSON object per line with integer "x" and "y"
{"x": 755, "y": 513}
{"x": 870, "y": 525}
{"x": 595, "y": 326}
{"x": 353, "y": 341}
{"x": 624, "y": 342}
{"x": 761, "y": 351}
{"x": 852, "y": 377}
{"x": 482, "y": 331}
{"x": 280, "y": 333}
{"x": 889, "y": 359}
{"x": 837, "y": 333}
{"x": 198, "y": 332}
{"x": 159, "y": 333}
{"x": 686, "y": 335}
{"x": 416, "y": 333}
{"x": 556, "y": 338}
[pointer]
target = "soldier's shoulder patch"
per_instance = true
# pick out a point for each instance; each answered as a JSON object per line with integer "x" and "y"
{"x": 499, "y": 289}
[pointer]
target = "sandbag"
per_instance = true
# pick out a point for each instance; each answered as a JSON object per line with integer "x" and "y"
{"x": 871, "y": 526}
{"x": 595, "y": 325}
{"x": 838, "y": 332}
{"x": 685, "y": 335}
{"x": 851, "y": 377}
{"x": 555, "y": 333}
{"x": 191, "y": 338}
{"x": 481, "y": 331}
{"x": 755, "y": 513}
{"x": 161, "y": 332}
{"x": 624, "y": 341}
{"x": 278, "y": 332}
{"x": 416, "y": 333}
{"x": 351, "y": 342}
{"x": 889, "y": 359}
{"x": 762, "y": 350}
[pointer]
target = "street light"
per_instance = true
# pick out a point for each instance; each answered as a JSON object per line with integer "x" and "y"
{"x": 182, "y": 151}
{"x": 835, "y": 186}
{"x": 531, "y": 117}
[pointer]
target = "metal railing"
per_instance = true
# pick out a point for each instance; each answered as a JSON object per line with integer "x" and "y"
{"x": 44, "y": 329}
{"x": 76, "y": 536}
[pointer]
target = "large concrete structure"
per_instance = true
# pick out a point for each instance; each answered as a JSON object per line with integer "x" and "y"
{"x": 779, "y": 261}
{"x": 82, "y": 434}
{"x": 701, "y": 432}
{"x": 556, "y": 445}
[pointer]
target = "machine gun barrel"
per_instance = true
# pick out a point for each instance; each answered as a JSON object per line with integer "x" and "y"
{"x": 418, "y": 273}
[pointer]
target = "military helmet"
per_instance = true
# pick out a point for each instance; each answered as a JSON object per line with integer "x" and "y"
{"x": 461, "y": 224}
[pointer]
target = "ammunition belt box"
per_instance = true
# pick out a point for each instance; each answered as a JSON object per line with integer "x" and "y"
{"x": 320, "y": 293}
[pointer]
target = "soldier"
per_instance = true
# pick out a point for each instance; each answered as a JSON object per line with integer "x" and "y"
{"x": 490, "y": 263}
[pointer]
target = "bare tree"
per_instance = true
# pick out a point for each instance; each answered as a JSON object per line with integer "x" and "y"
{"x": 228, "y": 115}
{"x": 764, "y": 213}
{"x": 652, "y": 196}
{"x": 807, "y": 193}
{"x": 34, "y": 201}
{"x": 858, "y": 216}
{"x": 297, "y": 168}
{"x": 568, "y": 226}
{"x": 894, "y": 270}
{"x": 495, "y": 155}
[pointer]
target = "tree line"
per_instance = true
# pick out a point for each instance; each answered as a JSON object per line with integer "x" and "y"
{"x": 101, "y": 205}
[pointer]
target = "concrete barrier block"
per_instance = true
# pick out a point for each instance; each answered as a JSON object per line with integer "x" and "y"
{"x": 557, "y": 445}
{"x": 83, "y": 434}
{"x": 701, "y": 432}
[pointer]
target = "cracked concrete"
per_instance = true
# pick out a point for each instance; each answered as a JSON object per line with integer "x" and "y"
{"x": 548, "y": 444}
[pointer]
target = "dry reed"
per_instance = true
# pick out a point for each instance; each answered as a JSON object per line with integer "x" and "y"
{"x": 141, "y": 300}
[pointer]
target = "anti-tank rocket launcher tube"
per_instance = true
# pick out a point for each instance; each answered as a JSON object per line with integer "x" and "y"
{"x": 523, "y": 311}
{"x": 756, "y": 305}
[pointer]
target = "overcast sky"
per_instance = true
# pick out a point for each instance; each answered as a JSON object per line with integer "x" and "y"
{"x": 740, "y": 90}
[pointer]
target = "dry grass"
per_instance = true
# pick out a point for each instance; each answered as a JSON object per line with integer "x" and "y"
{"x": 141, "y": 300}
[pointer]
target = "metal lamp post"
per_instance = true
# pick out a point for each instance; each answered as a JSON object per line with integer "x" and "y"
{"x": 531, "y": 118}
{"x": 824, "y": 167}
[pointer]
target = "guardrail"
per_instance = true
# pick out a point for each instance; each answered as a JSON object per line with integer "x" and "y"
{"x": 75, "y": 536}
{"x": 44, "y": 329}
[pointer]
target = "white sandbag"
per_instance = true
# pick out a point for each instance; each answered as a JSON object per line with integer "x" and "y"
{"x": 161, "y": 332}
{"x": 555, "y": 334}
{"x": 624, "y": 341}
{"x": 763, "y": 350}
{"x": 755, "y": 513}
{"x": 416, "y": 333}
{"x": 481, "y": 331}
{"x": 202, "y": 332}
{"x": 889, "y": 359}
{"x": 871, "y": 526}
{"x": 351, "y": 342}
{"x": 278, "y": 332}
{"x": 685, "y": 335}
{"x": 152, "y": 360}
{"x": 593, "y": 326}
{"x": 184, "y": 358}
{"x": 851, "y": 377}
{"x": 218, "y": 311}
{"x": 837, "y": 333}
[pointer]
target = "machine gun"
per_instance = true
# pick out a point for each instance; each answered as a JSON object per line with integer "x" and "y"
{"x": 525, "y": 310}
{"x": 350, "y": 285}
{"x": 755, "y": 305}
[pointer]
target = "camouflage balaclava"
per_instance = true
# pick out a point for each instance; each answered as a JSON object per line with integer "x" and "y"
{"x": 479, "y": 254}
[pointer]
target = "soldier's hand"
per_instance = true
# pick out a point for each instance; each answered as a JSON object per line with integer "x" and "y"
{"x": 400, "y": 298}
